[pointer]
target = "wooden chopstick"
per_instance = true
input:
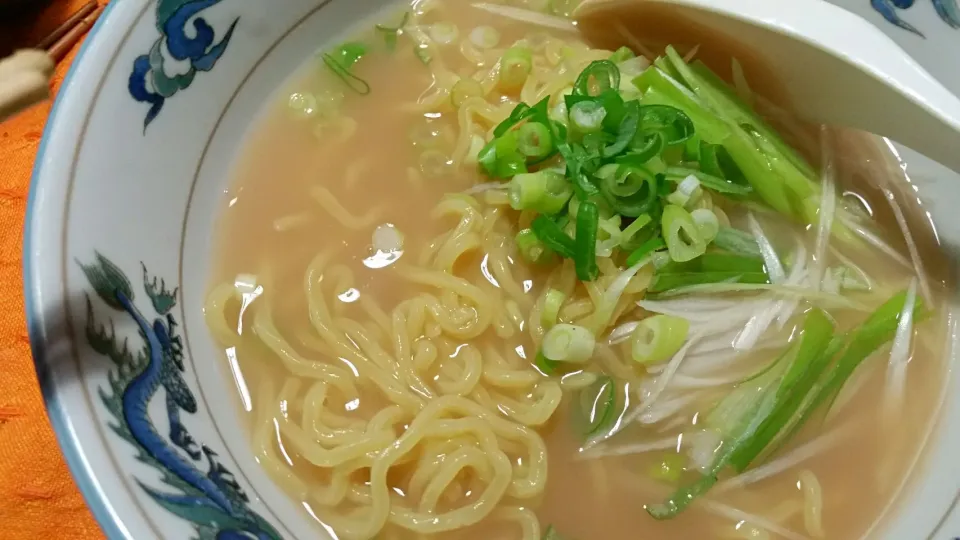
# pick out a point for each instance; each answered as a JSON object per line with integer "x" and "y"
{"x": 25, "y": 76}
{"x": 65, "y": 43}
{"x": 67, "y": 25}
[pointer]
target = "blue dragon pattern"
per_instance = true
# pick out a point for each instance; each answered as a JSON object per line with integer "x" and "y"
{"x": 948, "y": 10}
{"x": 149, "y": 82}
{"x": 212, "y": 500}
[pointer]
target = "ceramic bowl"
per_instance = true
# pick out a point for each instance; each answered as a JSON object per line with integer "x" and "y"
{"x": 125, "y": 192}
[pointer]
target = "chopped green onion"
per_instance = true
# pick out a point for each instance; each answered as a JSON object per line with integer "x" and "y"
{"x": 515, "y": 66}
{"x": 545, "y": 191}
{"x": 465, "y": 89}
{"x": 443, "y": 33}
{"x": 341, "y": 61}
{"x": 597, "y": 78}
{"x": 632, "y": 191}
{"x": 707, "y": 222}
{"x": 630, "y": 238}
{"x": 534, "y": 140}
{"x": 423, "y": 53}
{"x": 531, "y": 248}
{"x": 551, "y": 534}
{"x": 621, "y": 55}
{"x": 552, "y": 302}
{"x": 626, "y": 131}
{"x": 681, "y": 234}
{"x": 710, "y": 182}
{"x": 485, "y": 37}
{"x": 303, "y": 104}
{"x": 545, "y": 365}
{"x": 687, "y": 193}
{"x": 392, "y": 34}
{"x": 657, "y": 338}
{"x": 553, "y": 236}
{"x": 670, "y": 469}
{"x": 569, "y": 343}
{"x": 585, "y": 259}
{"x": 587, "y": 116}
{"x": 649, "y": 247}
{"x": 594, "y": 409}
{"x": 672, "y": 124}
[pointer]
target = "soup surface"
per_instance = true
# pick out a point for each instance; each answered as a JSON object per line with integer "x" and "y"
{"x": 394, "y": 319}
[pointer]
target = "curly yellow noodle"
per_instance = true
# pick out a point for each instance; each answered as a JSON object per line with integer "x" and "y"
{"x": 332, "y": 206}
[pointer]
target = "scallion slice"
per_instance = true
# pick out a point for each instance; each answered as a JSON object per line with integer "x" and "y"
{"x": 681, "y": 234}
{"x": 587, "y": 116}
{"x": 569, "y": 343}
{"x": 707, "y": 222}
{"x": 546, "y": 192}
{"x": 657, "y": 338}
{"x": 535, "y": 140}
{"x": 515, "y": 66}
{"x": 465, "y": 89}
{"x": 597, "y": 78}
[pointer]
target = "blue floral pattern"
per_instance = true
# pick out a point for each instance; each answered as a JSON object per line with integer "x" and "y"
{"x": 149, "y": 81}
{"x": 948, "y": 10}
{"x": 211, "y": 499}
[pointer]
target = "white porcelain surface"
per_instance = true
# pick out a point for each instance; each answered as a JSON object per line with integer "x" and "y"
{"x": 145, "y": 197}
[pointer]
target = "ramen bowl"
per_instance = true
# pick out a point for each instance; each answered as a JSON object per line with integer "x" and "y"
{"x": 128, "y": 183}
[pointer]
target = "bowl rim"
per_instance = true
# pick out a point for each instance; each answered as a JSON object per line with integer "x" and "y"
{"x": 63, "y": 428}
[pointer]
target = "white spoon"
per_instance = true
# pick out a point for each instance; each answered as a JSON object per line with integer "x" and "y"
{"x": 835, "y": 67}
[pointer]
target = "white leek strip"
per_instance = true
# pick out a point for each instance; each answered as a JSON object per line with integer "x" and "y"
{"x": 632, "y": 40}
{"x": 683, "y": 381}
{"x": 828, "y": 206}
{"x": 668, "y": 408}
{"x": 911, "y": 246}
{"x": 786, "y": 462}
{"x": 600, "y": 318}
{"x": 770, "y": 259}
{"x": 799, "y": 277}
{"x": 899, "y": 358}
{"x": 622, "y": 333}
{"x": 846, "y": 261}
{"x": 692, "y": 54}
{"x": 666, "y": 443}
{"x": 527, "y": 16}
{"x": 872, "y": 239}
{"x": 828, "y": 300}
{"x": 740, "y": 82}
{"x": 738, "y": 515}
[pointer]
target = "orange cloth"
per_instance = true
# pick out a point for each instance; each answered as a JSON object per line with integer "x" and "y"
{"x": 38, "y": 497}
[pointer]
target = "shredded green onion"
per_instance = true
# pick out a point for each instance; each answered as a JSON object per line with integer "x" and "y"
{"x": 569, "y": 343}
{"x": 657, "y": 338}
{"x": 594, "y": 409}
{"x": 648, "y": 248}
{"x": 341, "y": 61}
{"x": 681, "y": 234}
